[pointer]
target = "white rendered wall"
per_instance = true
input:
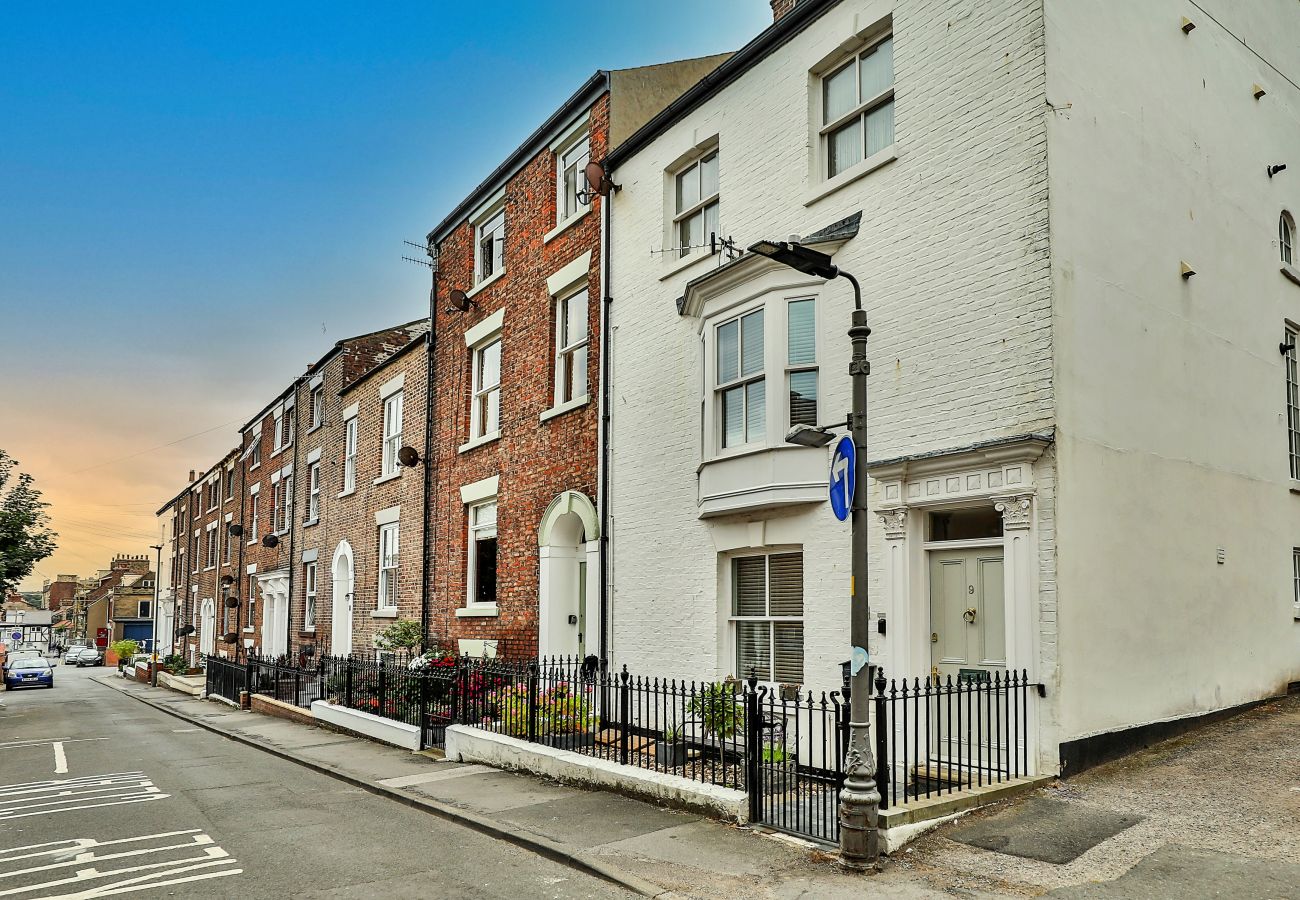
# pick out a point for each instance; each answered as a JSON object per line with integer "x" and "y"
{"x": 952, "y": 256}
{"x": 1172, "y": 438}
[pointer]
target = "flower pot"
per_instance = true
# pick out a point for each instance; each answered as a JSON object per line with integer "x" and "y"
{"x": 575, "y": 740}
{"x": 670, "y": 754}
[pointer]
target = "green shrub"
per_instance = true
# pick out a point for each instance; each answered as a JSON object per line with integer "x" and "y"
{"x": 720, "y": 711}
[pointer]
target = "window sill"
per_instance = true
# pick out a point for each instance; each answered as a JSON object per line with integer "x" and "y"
{"x": 484, "y": 284}
{"x": 567, "y": 406}
{"x": 307, "y": 632}
{"x": 252, "y": 542}
{"x": 866, "y": 167}
{"x": 348, "y": 493}
{"x": 1295, "y": 486}
{"x": 249, "y": 629}
{"x": 479, "y": 441}
{"x": 389, "y": 477}
{"x": 685, "y": 262}
{"x": 1291, "y": 272}
{"x": 256, "y": 465}
{"x": 310, "y": 522}
{"x": 389, "y": 612}
{"x": 565, "y": 225}
{"x": 478, "y": 610}
{"x": 209, "y": 568}
{"x": 316, "y": 426}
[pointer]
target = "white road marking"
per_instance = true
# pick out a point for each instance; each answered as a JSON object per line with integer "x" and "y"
{"x": 183, "y": 730}
{"x": 40, "y": 742}
{"x": 167, "y": 858}
{"x": 60, "y": 759}
{"x": 20, "y": 801}
{"x": 425, "y": 777}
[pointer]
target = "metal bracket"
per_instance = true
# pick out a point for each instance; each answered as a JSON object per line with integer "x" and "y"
{"x": 862, "y": 367}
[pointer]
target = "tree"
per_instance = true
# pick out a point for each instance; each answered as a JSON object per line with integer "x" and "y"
{"x": 25, "y": 535}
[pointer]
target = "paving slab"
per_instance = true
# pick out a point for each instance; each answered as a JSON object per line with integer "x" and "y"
{"x": 1044, "y": 829}
{"x": 494, "y": 792}
{"x": 592, "y": 819}
{"x": 699, "y": 844}
{"x": 1179, "y": 873}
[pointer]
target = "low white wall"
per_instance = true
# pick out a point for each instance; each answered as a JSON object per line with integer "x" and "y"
{"x": 193, "y": 685}
{"x": 399, "y": 734}
{"x": 468, "y": 744}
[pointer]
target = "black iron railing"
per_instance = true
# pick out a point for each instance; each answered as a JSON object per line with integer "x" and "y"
{"x": 226, "y": 678}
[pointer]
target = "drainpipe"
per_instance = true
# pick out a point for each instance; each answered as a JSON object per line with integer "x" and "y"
{"x": 292, "y": 513}
{"x": 603, "y": 498}
{"x": 430, "y": 343}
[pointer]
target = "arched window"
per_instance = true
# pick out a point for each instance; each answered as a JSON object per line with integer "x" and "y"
{"x": 1286, "y": 236}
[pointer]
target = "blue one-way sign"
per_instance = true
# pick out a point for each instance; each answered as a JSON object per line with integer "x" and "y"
{"x": 842, "y": 478}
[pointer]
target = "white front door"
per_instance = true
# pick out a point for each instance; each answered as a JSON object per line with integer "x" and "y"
{"x": 341, "y": 602}
{"x": 967, "y": 618}
{"x": 275, "y": 614}
{"x": 208, "y": 627}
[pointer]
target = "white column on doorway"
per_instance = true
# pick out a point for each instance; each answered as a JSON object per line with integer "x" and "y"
{"x": 1019, "y": 561}
{"x": 896, "y": 582}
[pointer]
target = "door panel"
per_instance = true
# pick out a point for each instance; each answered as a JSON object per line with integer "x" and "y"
{"x": 992, "y": 630}
{"x": 947, "y": 602}
{"x": 967, "y": 611}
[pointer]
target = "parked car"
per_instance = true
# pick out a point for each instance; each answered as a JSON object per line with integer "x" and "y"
{"x": 29, "y": 672}
{"x": 15, "y": 655}
{"x": 86, "y": 656}
{"x": 72, "y": 650}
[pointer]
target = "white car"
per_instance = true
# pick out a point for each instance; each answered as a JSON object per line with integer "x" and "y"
{"x": 73, "y": 650}
{"x": 86, "y": 656}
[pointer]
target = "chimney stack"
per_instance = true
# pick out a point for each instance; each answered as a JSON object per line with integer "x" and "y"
{"x": 781, "y": 7}
{"x": 192, "y": 474}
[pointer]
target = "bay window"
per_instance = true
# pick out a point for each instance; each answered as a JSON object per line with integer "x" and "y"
{"x": 801, "y": 361}
{"x": 741, "y": 389}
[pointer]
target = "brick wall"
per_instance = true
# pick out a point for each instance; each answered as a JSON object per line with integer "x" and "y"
{"x": 534, "y": 460}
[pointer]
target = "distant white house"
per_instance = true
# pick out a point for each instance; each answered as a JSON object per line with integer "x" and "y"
{"x": 1085, "y": 458}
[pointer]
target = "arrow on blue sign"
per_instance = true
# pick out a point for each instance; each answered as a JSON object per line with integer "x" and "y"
{"x": 843, "y": 476}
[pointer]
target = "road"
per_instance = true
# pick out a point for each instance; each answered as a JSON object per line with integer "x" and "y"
{"x": 101, "y": 795}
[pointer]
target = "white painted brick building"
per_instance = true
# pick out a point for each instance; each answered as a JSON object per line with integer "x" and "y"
{"x": 1018, "y": 236}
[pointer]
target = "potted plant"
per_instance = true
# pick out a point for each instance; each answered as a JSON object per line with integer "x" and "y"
{"x": 720, "y": 712}
{"x": 671, "y": 751}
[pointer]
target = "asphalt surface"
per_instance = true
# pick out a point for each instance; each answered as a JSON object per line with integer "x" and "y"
{"x": 101, "y": 795}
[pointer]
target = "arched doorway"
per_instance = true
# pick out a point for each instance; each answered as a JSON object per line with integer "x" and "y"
{"x": 341, "y": 601}
{"x": 568, "y": 617}
{"x": 208, "y": 627}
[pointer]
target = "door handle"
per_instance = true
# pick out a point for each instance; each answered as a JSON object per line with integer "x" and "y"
{"x": 969, "y": 615}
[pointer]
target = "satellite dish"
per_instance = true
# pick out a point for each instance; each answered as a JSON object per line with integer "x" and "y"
{"x": 227, "y": 579}
{"x": 270, "y": 541}
{"x": 186, "y": 630}
{"x": 308, "y": 651}
{"x": 232, "y": 602}
{"x": 460, "y": 300}
{"x": 409, "y": 457}
{"x": 235, "y": 529}
{"x": 230, "y": 637}
{"x": 596, "y": 179}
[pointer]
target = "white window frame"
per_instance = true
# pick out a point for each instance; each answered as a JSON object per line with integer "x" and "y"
{"x": 1289, "y": 337}
{"x": 571, "y": 349}
{"x": 143, "y": 609}
{"x": 700, "y": 208}
{"x": 252, "y": 600}
{"x": 313, "y": 491}
{"x": 481, "y": 393}
{"x": 742, "y": 381}
{"x": 476, "y": 533}
{"x": 491, "y": 224}
{"x": 228, "y": 541}
{"x": 350, "y": 455}
{"x": 210, "y": 547}
{"x": 286, "y": 506}
{"x": 256, "y": 455}
{"x": 253, "y": 493}
{"x": 793, "y": 368}
{"x": 392, "y": 434}
{"x": 571, "y": 157}
{"x": 858, "y": 112}
{"x": 733, "y": 618}
{"x": 309, "y": 581}
{"x": 277, "y": 420}
{"x": 388, "y": 581}
{"x": 1286, "y": 238}
{"x": 318, "y": 406}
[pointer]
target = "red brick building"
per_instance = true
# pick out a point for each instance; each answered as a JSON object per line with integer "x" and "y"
{"x": 515, "y": 531}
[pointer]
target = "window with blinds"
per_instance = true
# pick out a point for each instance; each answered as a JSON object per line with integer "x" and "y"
{"x": 767, "y": 616}
{"x": 801, "y": 371}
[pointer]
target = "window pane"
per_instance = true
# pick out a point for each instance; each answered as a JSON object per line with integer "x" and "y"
{"x": 578, "y": 370}
{"x": 839, "y": 93}
{"x": 575, "y": 318}
{"x": 844, "y": 147}
{"x": 751, "y": 343}
{"x": 756, "y": 411}
{"x": 492, "y": 412}
{"x": 490, "y": 365}
{"x": 710, "y": 223}
{"x": 786, "y": 584}
{"x": 880, "y": 128}
{"x": 753, "y": 650}
{"x": 709, "y": 176}
{"x": 803, "y": 398}
{"x": 733, "y": 417}
{"x": 728, "y": 352}
{"x": 877, "y": 69}
{"x": 485, "y": 570}
{"x": 788, "y": 638}
{"x": 749, "y": 585}
{"x": 802, "y": 340}
{"x": 688, "y": 188}
{"x": 485, "y": 514}
{"x": 689, "y": 233}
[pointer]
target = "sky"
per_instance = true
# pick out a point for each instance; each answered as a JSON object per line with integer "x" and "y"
{"x": 198, "y": 199}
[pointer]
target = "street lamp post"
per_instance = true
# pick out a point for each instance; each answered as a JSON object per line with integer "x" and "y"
{"x": 860, "y": 797}
{"x": 153, "y": 610}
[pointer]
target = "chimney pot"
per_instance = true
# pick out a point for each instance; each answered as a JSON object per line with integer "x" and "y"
{"x": 781, "y": 7}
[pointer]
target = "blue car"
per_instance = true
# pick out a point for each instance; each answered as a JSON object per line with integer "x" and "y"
{"x": 29, "y": 672}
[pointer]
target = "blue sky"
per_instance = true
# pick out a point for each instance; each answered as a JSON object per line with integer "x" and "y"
{"x": 196, "y": 200}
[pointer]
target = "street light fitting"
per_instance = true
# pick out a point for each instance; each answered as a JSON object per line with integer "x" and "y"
{"x": 797, "y": 257}
{"x": 809, "y": 436}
